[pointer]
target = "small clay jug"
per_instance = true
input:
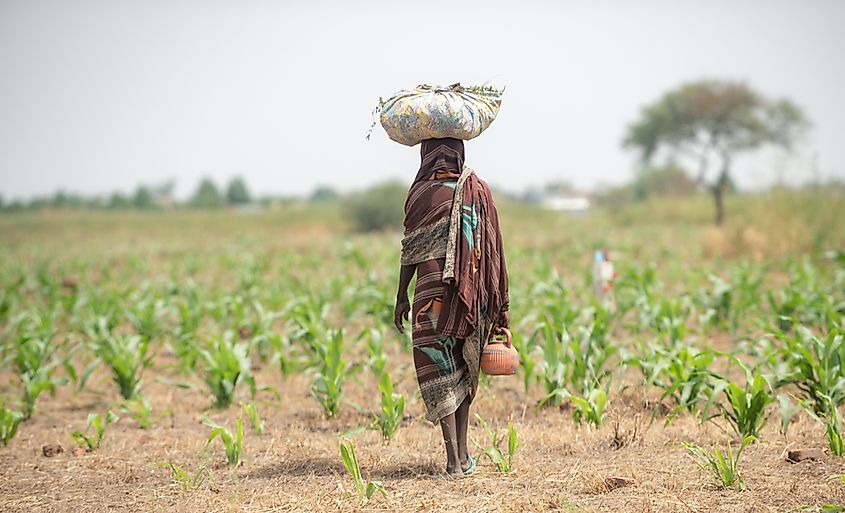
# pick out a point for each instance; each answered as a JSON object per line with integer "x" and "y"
{"x": 499, "y": 357}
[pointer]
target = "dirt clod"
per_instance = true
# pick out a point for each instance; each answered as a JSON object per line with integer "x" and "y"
{"x": 51, "y": 450}
{"x": 797, "y": 455}
{"x": 614, "y": 482}
{"x": 79, "y": 451}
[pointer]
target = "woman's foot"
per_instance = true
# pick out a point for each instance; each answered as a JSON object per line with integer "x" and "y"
{"x": 454, "y": 471}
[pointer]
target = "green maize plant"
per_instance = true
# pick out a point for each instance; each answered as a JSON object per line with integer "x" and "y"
{"x": 103, "y": 309}
{"x": 726, "y": 303}
{"x": 634, "y": 288}
{"x": 284, "y": 354}
{"x": 503, "y": 463}
{"x": 717, "y": 302}
{"x": 803, "y": 301}
{"x": 832, "y": 421}
{"x": 226, "y": 364}
{"x": 95, "y": 421}
{"x": 126, "y": 357}
{"x": 377, "y": 361}
{"x": 34, "y": 348}
{"x": 140, "y": 410}
{"x": 745, "y": 408}
{"x": 264, "y": 340}
{"x": 667, "y": 317}
{"x": 34, "y": 357}
{"x": 254, "y": 420}
{"x": 723, "y": 467}
{"x": 144, "y": 314}
{"x": 190, "y": 313}
{"x": 833, "y": 430}
{"x": 229, "y": 310}
{"x": 308, "y": 315}
{"x": 232, "y": 443}
{"x": 577, "y": 360}
{"x": 331, "y": 372}
{"x": 9, "y": 422}
{"x": 183, "y": 478}
{"x": 682, "y": 373}
{"x": 590, "y": 408}
{"x": 554, "y": 366}
{"x": 528, "y": 367}
{"x": 392, "y": 408}
{"x": 816, "y": 366}
{"x": 34, "y": 384}
{"x": 787, "y": 410}
{"x": 364, "y": 489}
{"x": 10, "y": 296}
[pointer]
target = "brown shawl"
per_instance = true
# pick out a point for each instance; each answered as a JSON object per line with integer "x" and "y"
{"x": 480, "y": 274}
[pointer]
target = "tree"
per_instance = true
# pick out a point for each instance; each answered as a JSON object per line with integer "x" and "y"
{"x": 667, "y": 180}
{"x": 118, "y": 201}
{"x": 323, "y": 193}
{"x": 237, "y": 192}
{"x": 143, "y": 198}
{"x": 207, "y": 195}
{"x": 709, "y": 122}
{"x": 379, "y": 208}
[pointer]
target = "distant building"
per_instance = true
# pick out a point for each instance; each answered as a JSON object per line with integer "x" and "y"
{"x": 566, "y": 203}
{"x": 560, "y": 197}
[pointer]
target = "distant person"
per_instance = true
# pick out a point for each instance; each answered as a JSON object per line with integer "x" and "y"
{"x": 453, "y": 243}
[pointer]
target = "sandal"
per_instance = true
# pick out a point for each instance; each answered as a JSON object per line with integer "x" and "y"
{"x": 470, "y": 470}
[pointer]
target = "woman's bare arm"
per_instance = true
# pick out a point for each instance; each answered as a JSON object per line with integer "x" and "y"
{"x": 403, "y": 306}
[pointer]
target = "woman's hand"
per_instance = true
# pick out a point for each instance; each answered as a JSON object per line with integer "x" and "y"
{"x": 402, "y": 311}
{"x": 504, "y": 322}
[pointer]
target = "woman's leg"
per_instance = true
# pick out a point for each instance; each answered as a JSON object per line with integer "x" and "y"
{"x": 450, "y": 439}
{"x": 462, "y": 421}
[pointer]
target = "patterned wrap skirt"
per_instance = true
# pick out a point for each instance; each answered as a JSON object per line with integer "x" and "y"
{"x": 447, "y": 349}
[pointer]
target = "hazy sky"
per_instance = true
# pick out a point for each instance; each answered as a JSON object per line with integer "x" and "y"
{"x": 99, "y": 96}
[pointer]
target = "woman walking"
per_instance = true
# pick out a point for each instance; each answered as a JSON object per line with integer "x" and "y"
{"x": 453, "y": 244}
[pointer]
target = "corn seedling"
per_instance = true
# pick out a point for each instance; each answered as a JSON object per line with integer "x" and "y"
{"x": 723, "y": 467}
{"x": 816, "y": 366}
{"x": 225, "y": 365}
{"x": 140, "y": 410}
{"x": 232, "y": 443}
{"x": 125, "y": 356}
{"x": 144, "y": 315}
{"x": 528, "y": 367}
{"x": 590, "y": 408}
{"x": 745, "y": 408}
{"x": 332, "y": 371}
{"x": 98, "y": 424}
{"x": 254, "y": 420}
{"x": 34, "y": 359}
{"x": 377, "y": 361}
{"x": 832, "y": 421}
{"x": 392, "y": 408}
{"x": 787, "y": 409}
{"x": 364, "y": 489}
{"x": 9, "y": 422}
{"x": 185, "y": 479}
{"x": 682, "y": 373}
{"x": 503, "y": 463}
{"x": 575, "y": 358}
{"x": 34, "y": 384}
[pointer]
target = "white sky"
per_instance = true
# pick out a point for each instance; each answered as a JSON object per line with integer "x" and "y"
{"x": 100, "y": 96}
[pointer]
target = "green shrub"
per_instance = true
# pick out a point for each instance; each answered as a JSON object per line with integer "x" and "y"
{"x": 380, "y": 207}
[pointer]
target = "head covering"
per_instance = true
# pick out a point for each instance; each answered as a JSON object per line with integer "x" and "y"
{"x": 440, "y": 158}
{"x": 477, "y": 269}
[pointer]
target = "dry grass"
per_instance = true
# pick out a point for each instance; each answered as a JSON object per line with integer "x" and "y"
{"x": 295, "y": 465}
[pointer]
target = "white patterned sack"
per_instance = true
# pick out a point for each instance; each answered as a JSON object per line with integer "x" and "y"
{"x": 435, "y": 112}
